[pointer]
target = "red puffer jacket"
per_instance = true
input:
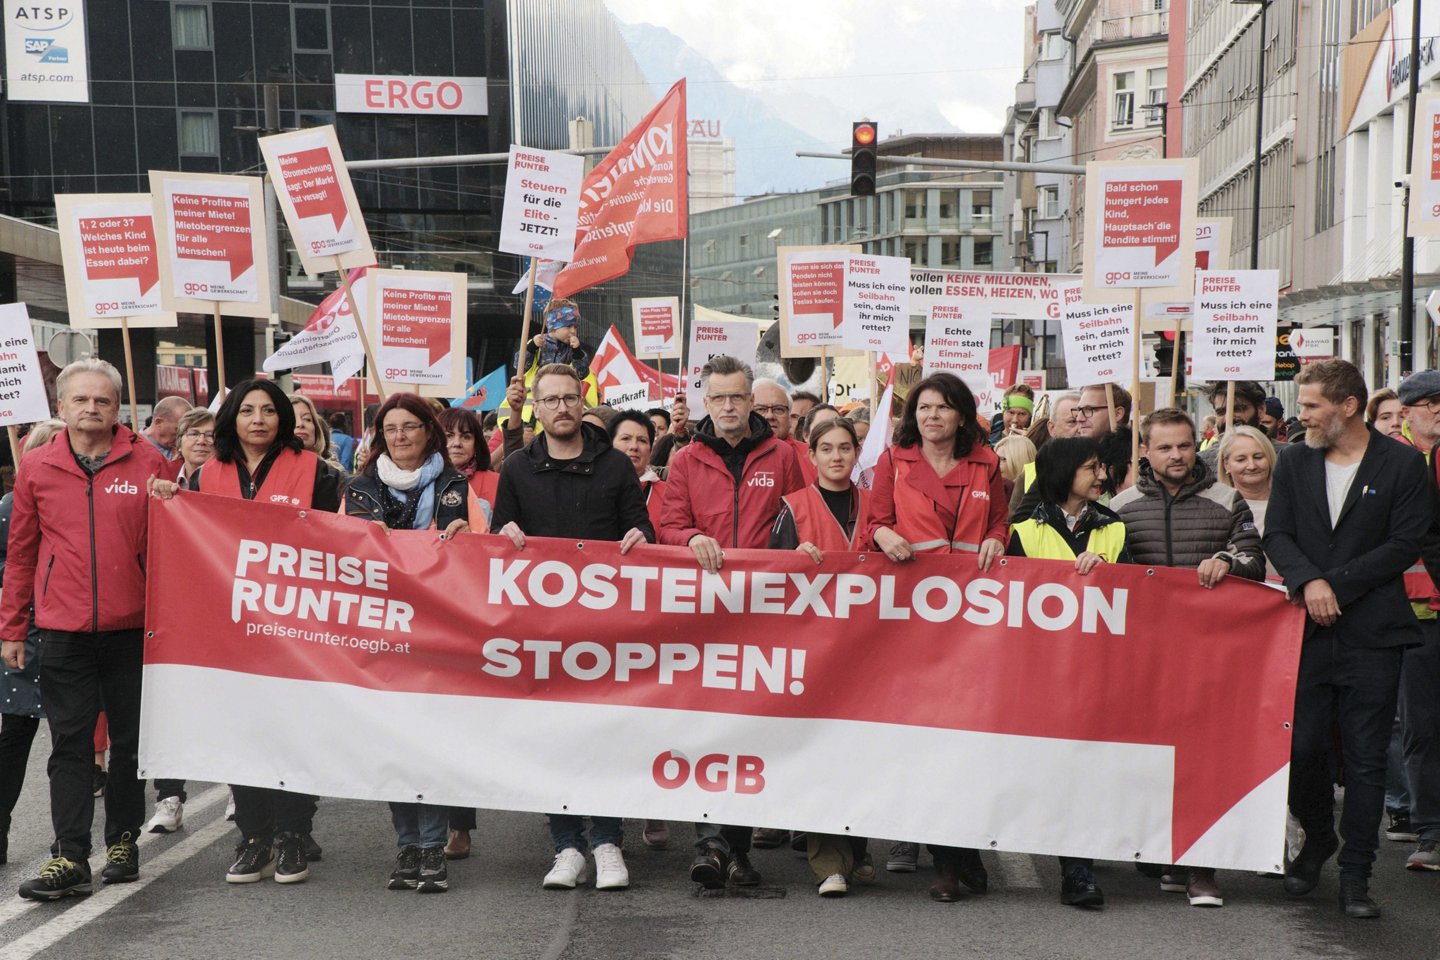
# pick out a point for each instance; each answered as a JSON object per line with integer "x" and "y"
{"x": 77, "y": 543}
{"x": 702, "y": 496}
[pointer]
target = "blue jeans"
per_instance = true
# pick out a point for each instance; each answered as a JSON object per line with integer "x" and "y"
{"x": 1397, "y": 784}
{"x": 568, "y": 830}
{"x": 420, "y": 824}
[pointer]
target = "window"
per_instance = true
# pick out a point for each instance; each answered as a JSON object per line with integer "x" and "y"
{"x": 744, "y": 240}
{"x": 949, "y": 204}
{"x": 310, "y": 26}
{"x": 1049, "y": 202}
{"x": 1049, "y": 129}
{"x": 1122, "y": 112}
{"x": 1052, "y": 45}
{"x": 199, "y": 134}
{"x": 1155, "y": 95}
{"x": 984, "y": 251}
{"x": 980, "y": 207}
{"x": 914, "y": 204}
{"x": 192, "y": 26}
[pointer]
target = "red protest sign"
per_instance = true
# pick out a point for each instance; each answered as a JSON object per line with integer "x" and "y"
{"x": 116, "y": 249}
{"x": 416, "y": 318}
{"x": 1143, "y": 213}
{"x": 313, "y": 188}
{"x": 309, "y": 177}
{"x": 214, "y": 228}
{"x": 1007, "y": 682}
{"x": 638, "y": 194}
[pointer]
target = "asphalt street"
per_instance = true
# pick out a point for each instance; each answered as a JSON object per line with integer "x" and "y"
{"x": 182, "y": 908}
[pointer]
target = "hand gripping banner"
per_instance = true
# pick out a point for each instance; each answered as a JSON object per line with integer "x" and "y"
{"x": 1115, "y": 715}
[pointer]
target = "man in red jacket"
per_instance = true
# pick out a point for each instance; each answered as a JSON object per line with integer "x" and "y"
{"x": 725, "y": 490}
{"x": 77, "y": 560}
{"x": 774, "y": 404}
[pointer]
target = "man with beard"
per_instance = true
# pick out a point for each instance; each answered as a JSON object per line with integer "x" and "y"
{"x": 1178, "y": 515}
{"x": 1349, "y": 511}
{"x": 1249, "y": 405}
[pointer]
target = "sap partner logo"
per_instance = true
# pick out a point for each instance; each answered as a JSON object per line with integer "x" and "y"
{"x": 712, "y": 772}
{"x": 122, "y": 486}
{"x": 762, "y": 478}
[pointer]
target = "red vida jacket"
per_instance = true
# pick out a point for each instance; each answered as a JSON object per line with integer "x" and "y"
{"x": 77, "y": 543}
{"x": 702, "y": 496}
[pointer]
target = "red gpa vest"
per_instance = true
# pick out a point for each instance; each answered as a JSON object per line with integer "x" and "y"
{"x": 927, "y": 523}
{"x": 654, "y": 493}
{"x": 814, "y": 523}
{"x": 290, "y": 479}
{"x": 483, "y": 484}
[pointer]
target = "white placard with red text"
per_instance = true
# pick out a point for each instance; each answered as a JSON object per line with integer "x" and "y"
{"x": 657, "y": 326}
{"x": 1099, "y": 339}
{"x": 542, "y": 203}
{"x": 112, "y": 261}
{"x": 957, "y": 340}
{"x": 816, "y": 283}
{"x": 1424, "y": 217}
{"x": 1236, "y": 313}
{"x": 417, "y": 325}
{"x": 877, "y": 303}
{"x": 211, "y": 230}
{"x": 1010, "y": 296}
{"x": 317, "y": 199}
{"x": 1139, "y": 229}
{"x": 629, "y": 396}
{"x": 22, "y": 388}
{"x": 714, "y": 339}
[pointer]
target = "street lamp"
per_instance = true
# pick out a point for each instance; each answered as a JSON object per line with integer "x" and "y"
{"x": 1259, "y": 134}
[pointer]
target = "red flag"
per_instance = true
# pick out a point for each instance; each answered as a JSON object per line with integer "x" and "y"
{"x": 615, "y": 365}
{"x": 638, "y": 194}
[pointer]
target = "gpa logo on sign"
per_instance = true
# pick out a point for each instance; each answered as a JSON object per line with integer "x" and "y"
{"x": 1115, "y": 276}
{"x": 711, "y": 773}
{"x": 193, "y": 288}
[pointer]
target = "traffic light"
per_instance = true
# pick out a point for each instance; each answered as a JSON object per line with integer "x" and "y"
{"x": 864, "y": 138}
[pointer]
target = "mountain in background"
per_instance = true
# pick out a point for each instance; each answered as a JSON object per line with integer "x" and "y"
{"x": 765, "y": 142}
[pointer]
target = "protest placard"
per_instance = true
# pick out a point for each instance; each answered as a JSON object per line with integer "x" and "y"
{"x": 111, "y": 261}
{"x": 957, "y": 340}
{"x": 1010, "y": 296}
{"x": 211, "y": 231}
{"x": 709, "y": 338}
{"x": 877, "y": 303}
{"x": 629, "y": 396}
{"x": 813, "y": 302}
{"x": 815, "y": 280}
{"x": 1139, "y": 228}
{"x": 657, "y": 326}
{"x": 1099, "y": 339}
{"x": 1424, "y": 215}
{"x": 542, "y": 203}
{"x": 22, "y": 386}
{"x": 317, "y": 199}
{"x": 417, "y": 318}
{"x": 1236, "y": 313}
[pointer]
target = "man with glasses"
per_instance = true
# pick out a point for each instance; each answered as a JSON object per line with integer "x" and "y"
{"x": 770, "y": 400}
{"x": 1062, "y": 422}
{"x": 1092, "y": 413}
{"x": 725, "y": 490}
{"x": 570, "y": 482}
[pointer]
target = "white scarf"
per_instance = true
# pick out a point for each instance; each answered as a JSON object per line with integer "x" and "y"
{"x": 395, "y": 478}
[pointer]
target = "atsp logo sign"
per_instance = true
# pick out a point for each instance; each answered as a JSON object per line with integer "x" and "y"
{"x": 43, "y": 16}
{"x": 712, "y": 773}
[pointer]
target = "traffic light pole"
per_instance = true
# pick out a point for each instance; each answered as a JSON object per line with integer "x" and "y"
{"x": 1015, "y": 165}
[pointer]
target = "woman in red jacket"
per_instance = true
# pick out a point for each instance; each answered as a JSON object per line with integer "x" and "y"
{"x": 465, "y": 447}
{"x": 633, "y": 434}
{"x": 939, "y": 490}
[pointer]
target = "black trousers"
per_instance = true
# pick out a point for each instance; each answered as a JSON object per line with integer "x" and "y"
{"x": 1420, "y": 739}
{"x": 170, "y": 788}
{"x": 261, "y": 812}
{"x": 17, "y": 733}
{"x": 462, "y": 818}
{"x": 1356, "y": 688}
{"x": 82, "y": 670}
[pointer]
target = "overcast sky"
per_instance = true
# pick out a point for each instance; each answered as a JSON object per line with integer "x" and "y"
{"x": 909, "y": 64}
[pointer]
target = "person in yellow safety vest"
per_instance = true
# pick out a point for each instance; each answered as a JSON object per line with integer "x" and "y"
{"x": 559, "y": 343}
{"x": 1071, "y": 525}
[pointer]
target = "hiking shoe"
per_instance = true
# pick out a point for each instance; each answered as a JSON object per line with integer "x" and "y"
{"x": 313, "y": 853}
{"x": 254, "y": 861}
{"x": 567, "y": 871}
{"x": 1355, "y": 900}
{"x": 122, "y": 862}
{"x": 168, "y": 816}
{"x": 834, "y": 886}
{"x": 1400, "y": 829}
{"x": 291, "y": 866}
{"x": 904, "y": 857}
{"x": 1425, "y": 857}
{"x": 434, "y": 877}
{"x": 406, "y": 875}
{"x": 60, "y": 877}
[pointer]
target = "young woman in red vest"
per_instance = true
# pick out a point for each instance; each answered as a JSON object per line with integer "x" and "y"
{"x": 939, "y": 490}
{"x": 633, "y": 434}
{"x": 828, "y": 516}
{"x": 259, "y": 457}
{"x": 465, "y": 446}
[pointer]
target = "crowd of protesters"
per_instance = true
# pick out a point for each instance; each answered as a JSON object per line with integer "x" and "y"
{"x": 1336, "y": 506}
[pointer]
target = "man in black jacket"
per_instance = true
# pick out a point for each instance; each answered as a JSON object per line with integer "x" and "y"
{"x": 569, "y": 482}
{"x": 1348, "y": 513}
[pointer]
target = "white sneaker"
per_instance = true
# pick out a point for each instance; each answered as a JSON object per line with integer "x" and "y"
{"x": 569, "y": 869}
{"x": 610, "y": 872}
{"x": 169, "y": 814}
{"x": 834, "y": 886}
{"x": 230, "y": 807}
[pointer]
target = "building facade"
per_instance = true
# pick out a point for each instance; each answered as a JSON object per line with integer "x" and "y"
{"x": 733, "y": 250}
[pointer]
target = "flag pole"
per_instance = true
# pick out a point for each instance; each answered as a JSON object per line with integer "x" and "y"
{"x": 525, "y": 321}
{"x": 219, "y": 348}
{"x": 364, "y": 337}
{"x": 129, "y": 374}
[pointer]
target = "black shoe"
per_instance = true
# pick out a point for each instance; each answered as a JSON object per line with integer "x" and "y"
{"x": 254, "y": 861}
{"x": 60, "y": 877}
{"x": 1400, "y": 828}
{"x": 291, "y": 866}
{"x": 709, "y": 868}
{"x": 313, "y": 853}
{"x": 406, "y": 875}
{"x": 1078, "y": 889}
{"x": 971, "y": 872}
{"x": 1355, "y": 900}
{"x": 4, "y": 847}
{"x": 433, "y": 876}
{"x": 1304, "y": 871}
{"x": 1154, "y": 871}
{"x": 742, "y": 874}
{"x": 99, "y": 781}
{"x": 799, "y": 842}
{"x": 122, "y": 862}
{"x": 767, "y": 838}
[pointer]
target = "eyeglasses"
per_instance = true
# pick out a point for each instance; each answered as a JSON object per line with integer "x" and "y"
{"x": 409, "y": 429}
{"x": 1085, "y": 413}
{"x": 197, "y": 435}
{"x": 553, "y": 403}
{"x": 728, "y": 399}
{"x": 767, "y": 409}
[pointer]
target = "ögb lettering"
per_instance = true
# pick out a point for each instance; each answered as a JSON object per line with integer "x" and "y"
{"x": 712, "y": 773}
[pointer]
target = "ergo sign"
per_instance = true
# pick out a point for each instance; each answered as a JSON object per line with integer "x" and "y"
{"x": 444, "y": 96}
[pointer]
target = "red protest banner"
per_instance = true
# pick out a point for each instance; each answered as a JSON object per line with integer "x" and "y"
{"x": 1021, "y": 690}
{"x": 638, "y": 194}
{"x": 120, "y": 249}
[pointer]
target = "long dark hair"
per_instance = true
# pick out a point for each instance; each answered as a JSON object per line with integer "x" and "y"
{"x": 227, "y": 438}
{"x": 1057, "y": 463}
{"x": 465, "y": 421}
{"x": 421, "y": 410}
{"x": 954, "y": 392}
